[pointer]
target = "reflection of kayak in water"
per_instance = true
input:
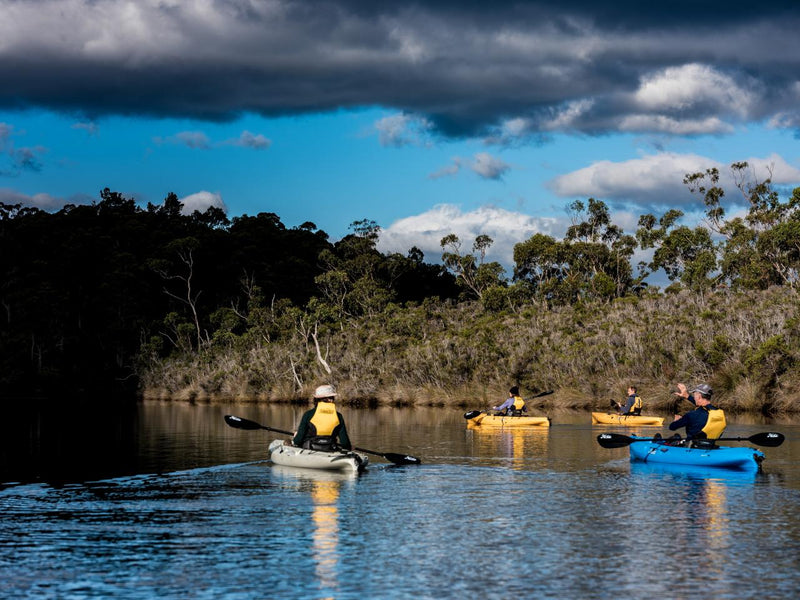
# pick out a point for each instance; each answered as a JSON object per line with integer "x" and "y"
{"x": 692, "y": 472}
{"x": 477, "y": 418}
{"x": 291, "y": 456}
{"x": 726, "y": 457}
{"x": 302, "y": 475}
{"x": 614, "y": 419}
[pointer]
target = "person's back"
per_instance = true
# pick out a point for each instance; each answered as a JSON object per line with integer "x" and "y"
{"x": 323, "y": 426}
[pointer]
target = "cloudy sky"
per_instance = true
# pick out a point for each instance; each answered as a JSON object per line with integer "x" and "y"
{"x": 427, "y": 117}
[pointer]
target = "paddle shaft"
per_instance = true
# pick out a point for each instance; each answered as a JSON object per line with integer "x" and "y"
{"x": 398, "y": 459}
{"x": 618, "y": 440}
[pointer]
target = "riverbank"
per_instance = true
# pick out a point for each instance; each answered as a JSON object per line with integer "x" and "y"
{"x": 746, "y": 345}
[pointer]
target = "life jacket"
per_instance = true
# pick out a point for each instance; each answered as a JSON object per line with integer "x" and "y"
{"x": 636, "y": 409}
{"x": 715, "y": 424}
{"x": 322, "y": 428}
{"x": 516, "y": 409}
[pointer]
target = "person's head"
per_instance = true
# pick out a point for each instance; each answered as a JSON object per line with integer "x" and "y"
{"x": 325, "y": 393}
{"x": 514, "y": 391}
{"x": 702, "y": 394}
{"x": 631, "y": 389}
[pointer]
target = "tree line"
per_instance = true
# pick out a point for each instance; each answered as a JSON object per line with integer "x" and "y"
{"x": 97, "y": 298}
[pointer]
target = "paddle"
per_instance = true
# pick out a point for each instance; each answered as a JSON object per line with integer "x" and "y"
{"x": 618, "y": 440}
{"x": 398, "y": 459}
{"x": 471, "y": 414}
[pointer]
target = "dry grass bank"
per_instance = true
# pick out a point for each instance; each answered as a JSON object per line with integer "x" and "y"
{"x": 744, "y": 344}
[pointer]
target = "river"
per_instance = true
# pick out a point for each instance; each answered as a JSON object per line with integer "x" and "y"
{"x": 163, "y": 500}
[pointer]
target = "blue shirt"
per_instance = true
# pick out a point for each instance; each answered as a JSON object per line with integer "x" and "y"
{"x": 693, "y": 421}
{"x": 628, "y": 405}
{"x": 507, "y": 404}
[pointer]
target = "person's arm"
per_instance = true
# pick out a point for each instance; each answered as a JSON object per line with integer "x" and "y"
{"x": 504, "y": 405}
{"x": 628, "y": 405}
{"x": 679, "y": 422}
{"x": 300, "y": 435}
{"x": 344, "y": 439}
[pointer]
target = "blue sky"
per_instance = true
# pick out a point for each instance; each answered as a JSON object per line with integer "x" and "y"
{"x": 427, "y": 117}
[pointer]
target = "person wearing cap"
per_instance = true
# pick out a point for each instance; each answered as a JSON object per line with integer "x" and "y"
{"x": 514, "y": 405}
{"x": 704, "y": 422}
{"x": 322, "y": 427}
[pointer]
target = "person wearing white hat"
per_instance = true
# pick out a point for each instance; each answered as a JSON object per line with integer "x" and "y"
{"x": 322, "y": 427}
{"x": 704, "y": 422}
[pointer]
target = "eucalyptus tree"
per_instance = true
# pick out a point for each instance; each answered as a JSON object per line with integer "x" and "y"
{"x": 471, "y": 270}
{"x": 686, "y": 255}
{"x": 597, "y": 252}
{"x": 761, "y": 248}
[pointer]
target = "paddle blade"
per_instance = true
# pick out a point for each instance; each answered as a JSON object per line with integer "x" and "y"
{"x": 240, "y": 423}
{"x": 614, "y": 440}
{"x": 472, "y": 414}
{"x": 401, "y": 459}
{"x": 770, "y": 438}
{"x": 540, "y": 394}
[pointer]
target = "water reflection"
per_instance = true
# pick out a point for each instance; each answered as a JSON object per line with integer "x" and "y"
{"x": 520, "y": 446}
{"x": 703, "y": 528}
{"x": 324, "y": 489}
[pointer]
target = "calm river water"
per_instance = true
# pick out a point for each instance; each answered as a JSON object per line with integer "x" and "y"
{"x": 163, "y": 500}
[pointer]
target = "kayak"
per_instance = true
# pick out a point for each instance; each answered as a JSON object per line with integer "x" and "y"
{"x": 486, "y": 420}
{"x": 287, "y": 455}
{"x": 630, "y": 420}
{"x": 726, "y": 457}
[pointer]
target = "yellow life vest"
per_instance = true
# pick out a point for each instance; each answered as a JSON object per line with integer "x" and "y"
{"x": 637, "y": 403}
{"x": 519, "y": 403}
{"x": 715, "y": 424}
{"x": 325, "y": 419}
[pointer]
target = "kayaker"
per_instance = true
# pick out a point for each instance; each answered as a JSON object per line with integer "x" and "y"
{"x": 514, "y": 405}
{"x": 322, "y": 427}
{"x": 704, "y": 422}
{"x": 633, "y": 403}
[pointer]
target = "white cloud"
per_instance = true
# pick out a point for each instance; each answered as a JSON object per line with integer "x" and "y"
{"x": 251, "y": 140}
{"x": 488, "y": 166}
{"x": 506, "y": 228}
{"x": 688, "y": 86}
{"x": 450, "y": 170}
{"x": 673, "y": 126}
{"x": 200, "y": 201}
{"x": 191, "y": 139}
{"x": 401, "y": 130}
{"x": 567, "y": 116}
{"x": 776, "y": 167}
{"x": 40, "y": 201}
{"x": 657, "y": 179}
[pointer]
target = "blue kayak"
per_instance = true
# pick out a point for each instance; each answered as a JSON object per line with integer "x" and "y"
{"x": 725, "y": 457}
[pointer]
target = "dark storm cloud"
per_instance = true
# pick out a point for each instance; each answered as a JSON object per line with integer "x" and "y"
{"x": 465, "y": 67}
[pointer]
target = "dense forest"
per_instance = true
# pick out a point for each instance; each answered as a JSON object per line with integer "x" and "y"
{"x": 117, "y": 301}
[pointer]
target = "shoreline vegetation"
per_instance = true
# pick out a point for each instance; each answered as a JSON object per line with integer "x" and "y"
{"x": 745, "y": 344}
{"x": 116, "y": 301}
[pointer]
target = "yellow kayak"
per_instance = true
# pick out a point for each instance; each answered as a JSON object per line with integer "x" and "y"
{"x": 481, "y": 419}
{"x": 630, "y": 420}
